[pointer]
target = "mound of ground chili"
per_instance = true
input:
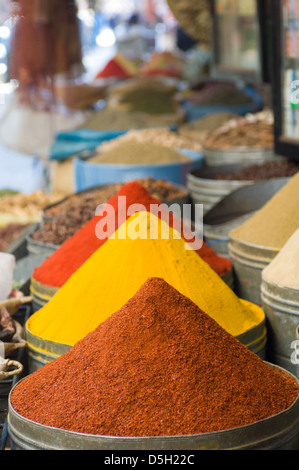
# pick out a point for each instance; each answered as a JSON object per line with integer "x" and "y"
{"x": 159, "y": 366}
{"x": 57, "y": 269}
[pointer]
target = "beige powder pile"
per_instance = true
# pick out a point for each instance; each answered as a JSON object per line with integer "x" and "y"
{"x": 284, "y": 269}
{"x": 138, "y": 153}
{"x": 276, "y": 221}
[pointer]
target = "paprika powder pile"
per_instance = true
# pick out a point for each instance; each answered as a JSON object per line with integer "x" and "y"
{"x": 159, "y": 366}
{"x": 57, "y": 269}
{"x": 107, "y": 280}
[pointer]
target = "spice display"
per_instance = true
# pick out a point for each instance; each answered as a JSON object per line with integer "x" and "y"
{"x": 8, "y": 234}
{"x": 222, "y": 95}
{"x": 57, "y": 268}
{"x": 149, "y": 95}
{"x": 163, "y": 137}
{"x": 158, "y": 366}
{"x": 24, "y": 208}
{"x": 120, "y": 266}
{"x": 119, "y": 66}
{"x": 110, "y": 119}
{"x": 209, "y": 122}
{"x": 276, "y": 221}
{"x": 151, "y": 102}
{"x": 79, "y": 208}
{"x": 139, "y": 153}
{"x": 86, "y": 202}
{"x": 254, "y": 132}
{"x": 163, "y": 63}
{"x": 284, "y": 269}
{"x": 259, "y": 172}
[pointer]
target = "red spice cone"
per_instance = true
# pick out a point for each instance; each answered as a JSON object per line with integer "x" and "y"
{"x": 57, "y": 269}
{"x": 159, "y": 366}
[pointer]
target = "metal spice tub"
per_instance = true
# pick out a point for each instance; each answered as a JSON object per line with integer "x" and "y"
{"x": 278, "y": 432}
{"x": 238, "y": 155}
{"x": 281, "y": 306}
{"x": 248, "y": 262}
{"x": 41, "y": 294}
{"x": 217, "y": 236}
{"x": 39, "y": 248}
{"x": 205, "y": 189}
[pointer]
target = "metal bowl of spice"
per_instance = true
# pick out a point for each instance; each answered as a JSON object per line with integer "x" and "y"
{"x": 185, "y": 383}
{"x": 136, "y": 160}
{"x": 279, "y": 432}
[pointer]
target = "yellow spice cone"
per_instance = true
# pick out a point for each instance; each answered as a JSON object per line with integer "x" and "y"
{"x": 115, "y": 272}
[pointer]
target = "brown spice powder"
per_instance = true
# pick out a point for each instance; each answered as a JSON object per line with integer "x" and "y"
{"x": 159, "y": 366}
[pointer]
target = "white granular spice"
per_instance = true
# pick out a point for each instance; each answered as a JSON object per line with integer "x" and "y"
{"x": 156, "y": 136}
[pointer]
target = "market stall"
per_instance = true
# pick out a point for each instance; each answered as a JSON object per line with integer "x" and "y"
{"x": 148, "y": 246}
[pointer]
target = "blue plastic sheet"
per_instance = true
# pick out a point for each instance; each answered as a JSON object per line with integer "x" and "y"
{"x": 73, "y": 142}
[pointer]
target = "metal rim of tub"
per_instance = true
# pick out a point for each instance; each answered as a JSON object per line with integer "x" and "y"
{"x": 41, "y": 293}
{"x": 279, "y": 431}
{"x": 250, "y": 253}
{"x": 41, "y": 351}
{"x": 232, "y": 155}
{"x": 37, "y": 247}
{"x": 248, "y": 262}
{"x": 213, "y": 186}
{"x": 281, "y": 306}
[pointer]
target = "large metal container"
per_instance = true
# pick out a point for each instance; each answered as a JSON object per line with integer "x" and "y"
{"x": 244, "y": 200}
{"x": 217, "y": 235}
{"x": 249, "y": 261}
{"x": 40, "y": 351}
{"x": 41, "y": 294}
{"x": 39, "y": 248}
{"x": 89, "y": 174}
{"x": 205, "y": 189}
{"x": 281, "y": 307}
{"x": 238, "y": 155}
{"x": 279, "y": 432}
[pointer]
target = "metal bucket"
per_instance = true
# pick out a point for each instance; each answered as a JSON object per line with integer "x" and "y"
{"x": 205, "y": 189}
{"x": 279, "y": 432}
{"x": 248, "y": 262}
{"x": 41, "y": 294}
{"x": 281, "y": 307}
{"x": 241, "y": 155}
{"x": 40, "y": 351}
{"x": 39, "y": 248}
{"x": 217, "y": 236}
{"x": 244, "y": 201}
